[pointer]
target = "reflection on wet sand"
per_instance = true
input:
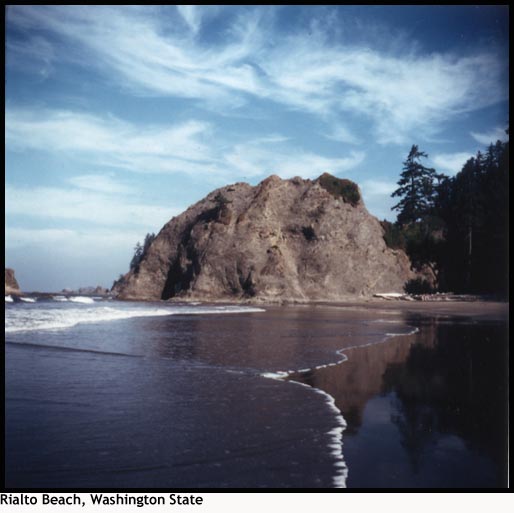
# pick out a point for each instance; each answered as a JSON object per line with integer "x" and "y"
{"x": 358, "y": 379}
{"x": 428, "y": 409}
{"x": 182, "y": 399}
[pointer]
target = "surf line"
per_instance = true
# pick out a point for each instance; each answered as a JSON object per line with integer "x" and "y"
{"x": 336, "y": 434}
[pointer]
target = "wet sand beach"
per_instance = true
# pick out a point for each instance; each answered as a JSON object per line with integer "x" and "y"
{"x": 185, "y": 399}
{"x": 426, "y": 409}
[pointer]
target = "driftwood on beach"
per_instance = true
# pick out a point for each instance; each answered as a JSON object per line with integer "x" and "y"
{"x": 447, "y": 296}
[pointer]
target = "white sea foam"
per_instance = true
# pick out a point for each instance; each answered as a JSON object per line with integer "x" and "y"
{"x": 336, "y": 434}
{"x": 60, "y": 298}
{"x": 28, "y": 299}
{"x": 274, "y": 375}
{"x": 82, "y": 299}
{"x": 56, "y": 318}
{"x": 8, "y": 299}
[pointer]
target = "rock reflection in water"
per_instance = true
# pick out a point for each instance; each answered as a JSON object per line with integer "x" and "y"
{"x": 425, "y": 410}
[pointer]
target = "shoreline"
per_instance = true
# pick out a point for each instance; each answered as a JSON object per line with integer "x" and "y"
{"x": 409, "y": 315}
{"x": 484, "y": 310}
{"x": 478, "y": 308}
{"x": 382, "y": 299}
{"x": 292, "y": 376}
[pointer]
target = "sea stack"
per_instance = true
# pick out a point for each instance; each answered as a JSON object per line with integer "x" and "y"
{"x": 281, "y": 240}
{"x": 11, "y": 285}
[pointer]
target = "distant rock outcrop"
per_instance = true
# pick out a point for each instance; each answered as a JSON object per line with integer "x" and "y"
{"x": 298, "y": 240}
{"x": 11, "y": 285}
{"x": 87, "y": 291}
{"x": 93, "y": 291}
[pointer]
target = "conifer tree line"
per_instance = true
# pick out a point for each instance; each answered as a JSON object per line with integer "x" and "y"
{"x": 455, "y": 226}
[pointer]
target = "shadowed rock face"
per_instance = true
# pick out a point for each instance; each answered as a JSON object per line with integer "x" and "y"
{"x": 280, "y": 240}
{"x": 11, "y": 285}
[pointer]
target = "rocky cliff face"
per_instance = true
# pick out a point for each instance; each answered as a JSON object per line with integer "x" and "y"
{"x": 11, "y": 285}
{"x": 280, "y": 240}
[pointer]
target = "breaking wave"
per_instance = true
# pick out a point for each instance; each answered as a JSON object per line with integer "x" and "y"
{"x": 82, "y": 299}
{"x": 56, "y": 318}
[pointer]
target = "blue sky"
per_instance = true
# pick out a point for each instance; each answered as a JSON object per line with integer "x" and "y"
{"x": 118, "y": 118}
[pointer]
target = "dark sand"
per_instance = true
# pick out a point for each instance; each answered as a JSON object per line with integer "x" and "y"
{"x": 423, "y": 409}
{"x": 427, "y": 409}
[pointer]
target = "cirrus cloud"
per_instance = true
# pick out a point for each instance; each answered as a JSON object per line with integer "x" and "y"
{"x": 490, "y": 137}
{"x": 451, "y": 162}
{"x": 401, "y": 93}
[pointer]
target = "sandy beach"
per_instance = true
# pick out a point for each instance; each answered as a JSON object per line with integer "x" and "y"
{"x": 398, "y": 394}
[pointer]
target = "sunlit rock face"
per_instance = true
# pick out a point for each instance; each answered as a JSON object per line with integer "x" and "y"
{"x": 279, "y": 240}
{"x": 11, "y": 285}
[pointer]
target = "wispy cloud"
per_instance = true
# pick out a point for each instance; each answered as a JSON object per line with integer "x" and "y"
{"x": 194, "y": 15}
{"x": 190, "y": 147}
{"x": 378, "y": 187}
{"x": 492, "y": 136}
{"x": 451, "y": 162}
{"x": 136, "y": 47}
{"x": 101, "y": 183}
{"x": 97, "y": 222}
{"x": 400, "y": 93}
{"x": 35, "y": 54}
{"x": 341, "y": 133}
{"x": 71, "y": 239}
{"x": 110, "y": 141}
{"x": 257, "y": 159}
{"x": 191, "y": 15}
{"x": 85, "y": 205}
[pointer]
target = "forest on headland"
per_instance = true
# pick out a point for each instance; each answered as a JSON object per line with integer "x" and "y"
{"x": 455, "y": 228}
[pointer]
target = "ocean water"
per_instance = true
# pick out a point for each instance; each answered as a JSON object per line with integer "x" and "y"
{"x": 107, "y": 394}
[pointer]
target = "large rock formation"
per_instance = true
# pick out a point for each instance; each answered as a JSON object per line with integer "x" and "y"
{"x": 280, "y": 240}
{"x": 11, "y": 285}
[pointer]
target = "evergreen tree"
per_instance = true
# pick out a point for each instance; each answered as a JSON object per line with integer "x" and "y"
{"x": 457, "y": 226}
{"x": 140, "y": 251}
{"x": 474, "y": 206}
{"x": 138, "y": 255}
{"x": 149, "y": 238}
{"x": 416, "y": 189}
